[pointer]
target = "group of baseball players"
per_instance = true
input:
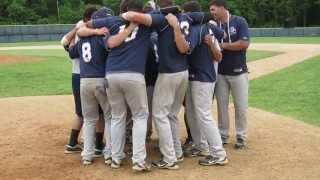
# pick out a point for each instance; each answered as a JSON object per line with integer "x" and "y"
{"x": 139, "y": 68}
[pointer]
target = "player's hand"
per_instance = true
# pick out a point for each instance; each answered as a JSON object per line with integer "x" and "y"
{"x": 132, "y": 26}
{"x": 208, "y": 39}
{"x": 213, "y": 22}
{"x": 128, "y": 15}
{"x": 172, "y": 20}
{"x": 102, "y": 31}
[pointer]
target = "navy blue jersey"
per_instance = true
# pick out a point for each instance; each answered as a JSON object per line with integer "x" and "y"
{"x": 170, "y": 59}
{"x": 92, "y": 53}
{"x": 200, "y": 61}
{"x": 131, "y": 55}
{"x": 152, "y": 61}
{"x": 234, "y": 62}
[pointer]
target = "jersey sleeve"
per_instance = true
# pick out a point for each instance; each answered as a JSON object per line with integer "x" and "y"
{"x": 158, "y": 21}
{"x": 194, "y": 39}
{"x": 74, "y": 51}
{"x": 197, "y": 17}
{"x": 243, "y": 30}
{"x": 103, "y": 22}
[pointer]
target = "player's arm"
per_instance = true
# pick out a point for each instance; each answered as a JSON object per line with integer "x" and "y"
{"x": 118, "y": 39}
{"x": 243, "y": 42}
{"x": 86, "y": 32}
{"x": 181, "y": 42}
{"x": 138, "y": 18}
{"x": 213, "y": 44}
{"x": 235, "y": 46}
{"x": 73, "y": 51}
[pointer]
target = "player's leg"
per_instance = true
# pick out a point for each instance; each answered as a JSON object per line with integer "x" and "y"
{"x": 118, "y": 118}
{"x": 203, "y": 112}
{"x": 181, "y": 80}
{"x": 200, "y": 143}
{"x": 90, "y": 117}
{"x": 73, "y": 145}
{"x": 163, "y": 98}
{"x": 136, "y": 97}
{"x": 239, "y": 90}
{"x": 150, "y": 90}
{"x": 222, "y": 92}
{"x": 102, "y": 98}
{"x": 99, "y": 135}
{"x": 189, "y": 141}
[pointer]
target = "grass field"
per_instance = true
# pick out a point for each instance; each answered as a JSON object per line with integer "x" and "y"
{"x": 292, "y": 92}
{"x": 290, "y": 40}
{"x": 297, "y": 40}
{"x": 51, "y": 75}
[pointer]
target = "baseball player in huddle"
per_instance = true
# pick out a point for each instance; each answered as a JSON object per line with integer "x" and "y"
{"x": 172, "y": 80}
{"x": 92, "y": 53}
{"x": 232, "y": 72}
{"x": 204, "y": 130}
{"x": 73, "y": 146}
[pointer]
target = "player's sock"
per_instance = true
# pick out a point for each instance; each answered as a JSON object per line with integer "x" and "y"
{"x": 99, "y": 140}
{"x": 74, "y": 137}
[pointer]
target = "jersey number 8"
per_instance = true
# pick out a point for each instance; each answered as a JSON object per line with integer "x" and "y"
{"x": 86, "y": 52}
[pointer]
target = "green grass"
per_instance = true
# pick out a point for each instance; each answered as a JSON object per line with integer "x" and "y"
{"x": 289, "y": 40}
{"x": 29, "y": 43}
{"x": 254, "y": 55}
{"x": 49, "y": 76}
{"x": 292, "y": 92}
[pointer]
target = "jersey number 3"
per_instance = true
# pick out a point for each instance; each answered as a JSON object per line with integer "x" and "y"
{"x": 132, "y": 36}
{"x": 184, "y": 26}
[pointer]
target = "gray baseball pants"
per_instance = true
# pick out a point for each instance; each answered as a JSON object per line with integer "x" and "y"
{"x": 123, "y": 89}
{"x": 93, "y": 94}
{"x": 203, "y": 128}
{"x": 239, "y": 87}
{"x": 168, "y": 96}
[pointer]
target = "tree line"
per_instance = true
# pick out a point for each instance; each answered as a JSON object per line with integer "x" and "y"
{"x": 259, "y": 13}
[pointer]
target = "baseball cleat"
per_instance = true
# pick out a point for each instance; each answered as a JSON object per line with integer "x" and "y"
{"x": 241, "y": 144}
{"x": 141, "y": 167}
{"x": 87, "y": 162}
{"x": 194, "y": 152}
{"x": 73, "y": 149}
{"x": 115, "y": 164}
{"x": 98, "y": 153}
{"x": 164, "y": 165}
{"x": 210, "y": 160}
{"x": 108, "y": 161}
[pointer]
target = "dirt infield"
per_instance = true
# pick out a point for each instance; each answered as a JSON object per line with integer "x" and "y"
{"x": 34, "y": 130}
{"x": 14, "y": 59}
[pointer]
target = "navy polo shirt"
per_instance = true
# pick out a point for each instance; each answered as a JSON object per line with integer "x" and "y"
{"x": 234, "y": 62}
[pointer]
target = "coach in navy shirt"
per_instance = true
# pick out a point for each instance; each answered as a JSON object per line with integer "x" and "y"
{"x": 233, "y": 72}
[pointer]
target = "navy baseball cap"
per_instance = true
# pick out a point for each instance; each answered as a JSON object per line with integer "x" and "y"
{"x": 102, "y": 13}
